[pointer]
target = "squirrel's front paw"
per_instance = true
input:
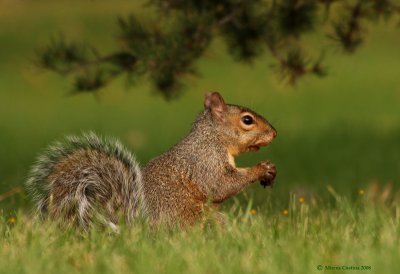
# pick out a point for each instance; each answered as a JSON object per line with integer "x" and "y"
{"x": 268, "y": 173}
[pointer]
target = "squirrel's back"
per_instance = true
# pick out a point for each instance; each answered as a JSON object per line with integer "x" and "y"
{"x": 87, "y": 179}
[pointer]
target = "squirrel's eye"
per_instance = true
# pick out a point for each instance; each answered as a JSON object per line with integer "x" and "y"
{"x": 247, "y": 119}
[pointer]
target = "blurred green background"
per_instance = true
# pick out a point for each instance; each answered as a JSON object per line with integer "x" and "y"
{"x": 343, "y": 130}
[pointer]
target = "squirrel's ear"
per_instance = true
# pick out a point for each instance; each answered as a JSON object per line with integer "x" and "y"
{"x": 215, "y": 103}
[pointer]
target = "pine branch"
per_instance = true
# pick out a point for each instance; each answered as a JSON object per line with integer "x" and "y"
{"x": 167, "y": 49}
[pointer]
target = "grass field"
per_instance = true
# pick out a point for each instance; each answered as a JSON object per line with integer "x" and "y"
{"x": 337, "y": 153}
{"x": 348, "y": 236}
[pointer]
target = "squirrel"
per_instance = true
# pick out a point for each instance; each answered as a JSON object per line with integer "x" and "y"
{"x": 89, "y": 179}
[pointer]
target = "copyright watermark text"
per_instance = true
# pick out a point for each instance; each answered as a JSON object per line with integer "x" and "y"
{"x": 344, "y": 267}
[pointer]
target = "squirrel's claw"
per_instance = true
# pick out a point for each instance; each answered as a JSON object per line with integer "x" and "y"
{"x": 268, "y": 178}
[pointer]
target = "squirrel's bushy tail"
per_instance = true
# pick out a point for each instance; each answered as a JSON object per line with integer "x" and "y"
{"x": 86, "y": 179}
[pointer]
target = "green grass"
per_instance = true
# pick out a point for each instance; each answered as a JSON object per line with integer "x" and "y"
{"x": 342, "y": 131}
{"x": 347, "y": 234}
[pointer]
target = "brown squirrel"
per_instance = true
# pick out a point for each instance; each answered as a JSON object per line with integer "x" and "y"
{"x": 88, "y": 179}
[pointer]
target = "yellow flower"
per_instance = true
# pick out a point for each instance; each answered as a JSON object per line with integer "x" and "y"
{"x": 253, "y": 212}
{"x": 285, "y": 212}
{"x": 361, "y": 192}
{"x": 301, "y": 200}
{"x": 12, "y": 220}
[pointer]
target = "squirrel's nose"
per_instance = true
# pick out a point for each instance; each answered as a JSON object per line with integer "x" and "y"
{"x": 273, "y": 131}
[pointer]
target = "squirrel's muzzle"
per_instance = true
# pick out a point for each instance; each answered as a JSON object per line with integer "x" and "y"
{"x": 264, "y": 141}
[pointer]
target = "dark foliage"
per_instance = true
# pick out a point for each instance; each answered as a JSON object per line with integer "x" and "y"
{"x": 166, "y": 49}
